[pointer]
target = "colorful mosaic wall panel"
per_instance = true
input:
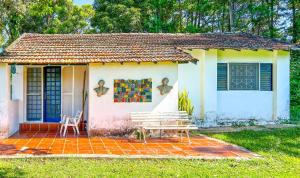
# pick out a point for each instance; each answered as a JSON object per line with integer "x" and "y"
{"x": 133, "y": 90}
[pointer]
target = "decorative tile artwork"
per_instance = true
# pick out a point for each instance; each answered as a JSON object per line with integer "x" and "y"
{"x": 133, "y": 90}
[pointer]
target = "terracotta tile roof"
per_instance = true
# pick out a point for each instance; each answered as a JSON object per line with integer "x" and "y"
{"x": 125, "y": 47}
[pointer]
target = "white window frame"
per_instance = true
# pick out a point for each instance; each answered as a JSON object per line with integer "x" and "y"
{"x": 42, "y": 92}
{"x": 26, "y": 94}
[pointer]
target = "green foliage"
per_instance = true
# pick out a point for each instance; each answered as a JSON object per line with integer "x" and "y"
{"x": 11, "y": 14}
{"x": 58, "y": 16}
{"x": 43, "y": 16}
{"x": 258, "y": 17}
{"x": 185, "y": 103}
{"x": 294, "y": 29}
{"x": 272, "y": 18}
{"x": 295, "y": 85}
{"x": 116, "y": 16}
{"x": 279, "y": 149}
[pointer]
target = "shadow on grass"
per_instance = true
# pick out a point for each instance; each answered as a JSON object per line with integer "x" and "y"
{"x": 11, "y": 172}
{"x": 284, "y": 141}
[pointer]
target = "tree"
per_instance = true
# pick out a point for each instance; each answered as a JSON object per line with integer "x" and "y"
{"x": 42, "y": 16}
{"x": 295, "y": 27}
{"x": 271, "y": 18}
{"x": 59, "y": 16}
{"x": 116, "y": 16}
{"x": 11, "y": 14}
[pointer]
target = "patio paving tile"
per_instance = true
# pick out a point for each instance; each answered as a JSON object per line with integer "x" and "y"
{"x": 43, "y": 143}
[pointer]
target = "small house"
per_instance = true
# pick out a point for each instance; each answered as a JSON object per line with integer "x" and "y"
{"x": 229, "y": 77}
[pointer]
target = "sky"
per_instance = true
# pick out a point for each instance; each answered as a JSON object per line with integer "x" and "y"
{"x": 80, "y": 2}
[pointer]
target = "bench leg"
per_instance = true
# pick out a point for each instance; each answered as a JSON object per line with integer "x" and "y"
{"x": 181, "y": 135}
{"x": 141, "y": 133}
{"x": 160, "y": 133}
{"x": 144, "y": 135}
{"x": 188, "y": 136}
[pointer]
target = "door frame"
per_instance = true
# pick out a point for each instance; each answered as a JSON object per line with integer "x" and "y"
{"x": 25, "y": 94}
{"x": 24, "y": 105}
{"x": 42, "y": 91}
{"x": 44, "y": 88}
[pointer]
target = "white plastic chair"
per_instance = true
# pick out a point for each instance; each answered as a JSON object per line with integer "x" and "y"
{"x": 72, "y": 122}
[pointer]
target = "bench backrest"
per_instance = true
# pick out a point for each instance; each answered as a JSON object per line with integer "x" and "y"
{"x": 159, "y": 115}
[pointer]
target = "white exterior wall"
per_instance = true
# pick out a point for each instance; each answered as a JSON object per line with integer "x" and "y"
{"x": 105, "y": 114}
{"x": 216, "y": 106}
{"x": 18, "y": 90}
{"x": 188, "y": 77}
{"x": 13, "y": 115}
{"x": 235, "y": 105}
{"x": 282, "y": 104}
{"x": 8, "y": 109}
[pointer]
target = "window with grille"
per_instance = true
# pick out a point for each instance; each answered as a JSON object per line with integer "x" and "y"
{"x": 34, "y": 96}
{"x": 244, "y": 76}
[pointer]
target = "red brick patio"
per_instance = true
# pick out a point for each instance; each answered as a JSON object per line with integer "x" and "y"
{"x": 51, "y": 144}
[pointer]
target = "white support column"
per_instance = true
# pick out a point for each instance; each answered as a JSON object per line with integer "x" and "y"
{"x": 190, "y": 78}
{"x": 206, "y": 98}
{"x": 89, "y": 88}
{"x": 4, "y": 99}
{"x": 209, "y": 85}
{"x": 73, "y": 90}
{"x": 18, "y": 89}
{"x": 275, "y": 85}
{"x": 281, "y": 85}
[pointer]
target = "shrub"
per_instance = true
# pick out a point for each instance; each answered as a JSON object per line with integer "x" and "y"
{"x": 185, "y": 103}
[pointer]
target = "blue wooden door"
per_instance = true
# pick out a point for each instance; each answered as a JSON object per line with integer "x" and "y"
{"x": 52, "y": 94}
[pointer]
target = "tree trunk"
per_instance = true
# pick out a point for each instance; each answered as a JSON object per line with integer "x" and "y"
{"x": 158, "y": 28}
{"x": 295, "y": 35}
{"x": 180, "y": 16}
{"x": 198, "y": 14}
{"x": 271, "y": 28}
{"x": 251, "y": 6}
{"x": 223, "y": 18}
{"x": 230, "y": 11}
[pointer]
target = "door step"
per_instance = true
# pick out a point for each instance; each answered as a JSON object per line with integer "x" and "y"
{"x": 46, "y": 127}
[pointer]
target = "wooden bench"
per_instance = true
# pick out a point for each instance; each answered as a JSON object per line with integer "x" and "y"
{"x": 178, "y": 121}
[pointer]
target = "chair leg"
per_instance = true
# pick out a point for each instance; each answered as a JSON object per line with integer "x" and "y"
{"x": 74, "y": 130}
{"x": 65, "y": 130}
{"x": 61, "y": 128}
{"x": 76, "y": 127}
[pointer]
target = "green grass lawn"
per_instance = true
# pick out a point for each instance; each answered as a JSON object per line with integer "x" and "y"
{"x": 280, "y": 149}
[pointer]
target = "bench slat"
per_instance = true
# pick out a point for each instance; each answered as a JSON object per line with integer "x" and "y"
{"x": 171, "y": 128}
{"x": 144, "y": 120}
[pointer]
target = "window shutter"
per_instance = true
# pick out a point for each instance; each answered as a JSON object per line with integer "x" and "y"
{"x": 266, "y": 77}
{"x": 222, "y": 76}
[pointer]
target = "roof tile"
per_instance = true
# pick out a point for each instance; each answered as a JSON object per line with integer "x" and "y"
{"x": 125, "y": 47}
